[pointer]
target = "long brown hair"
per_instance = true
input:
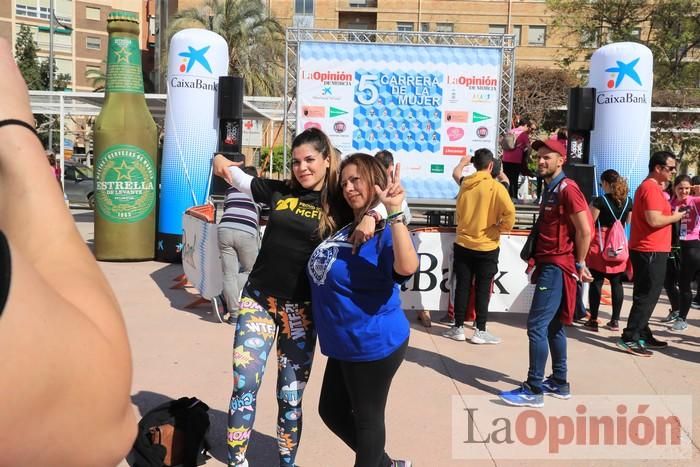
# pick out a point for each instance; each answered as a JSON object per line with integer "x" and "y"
{"x": 618, "y": 186}
{"x": 331, "y": 186}
{"x": 371, "y": 171}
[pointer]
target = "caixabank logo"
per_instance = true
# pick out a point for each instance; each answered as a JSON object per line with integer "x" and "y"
{"x": 194, "y": 64}
{"x": 624, "y": 86}
{"x": 193, "y": 57}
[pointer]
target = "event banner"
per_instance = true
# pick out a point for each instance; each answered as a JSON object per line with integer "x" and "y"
{"x": 428, "y": 105}
{"x": 429, "y": 288}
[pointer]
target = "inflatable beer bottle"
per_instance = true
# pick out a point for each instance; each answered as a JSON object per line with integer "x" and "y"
{"x": 126, "y": 141}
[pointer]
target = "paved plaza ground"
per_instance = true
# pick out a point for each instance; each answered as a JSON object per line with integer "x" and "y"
{"x": 179, "y": 351}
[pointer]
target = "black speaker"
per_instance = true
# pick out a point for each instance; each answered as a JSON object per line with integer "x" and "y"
{"x": 230, "y": 112}
{"x": 584, "y": 176}
{"x": 581, "y": 114}
{"x": 230, "y": 97}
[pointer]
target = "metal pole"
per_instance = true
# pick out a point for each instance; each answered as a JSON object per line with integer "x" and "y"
{"x": 420, "y": 7}
{"x": 509, "y": 16}
{"x": 51, "y": 31}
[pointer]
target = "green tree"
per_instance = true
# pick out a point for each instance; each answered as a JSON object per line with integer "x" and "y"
{"x": 26, "y": 58}
{"x": 670, "y": 28}
{"x": 277, "y": 160}
{"x": 675, "y": 42}
{"x": 97, "y": 78}
{"x": 255, "y": 40}
{"x": 538, "y": 91}
{"x": 61, "y": 81}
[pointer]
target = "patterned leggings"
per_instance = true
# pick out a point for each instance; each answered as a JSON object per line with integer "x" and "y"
{"x": 259, "y": 318}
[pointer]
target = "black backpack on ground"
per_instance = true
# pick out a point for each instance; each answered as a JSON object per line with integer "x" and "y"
{"x": 173, "y": 434}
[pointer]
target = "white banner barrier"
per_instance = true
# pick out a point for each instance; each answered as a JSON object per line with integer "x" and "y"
{"x": 430, "y": 287}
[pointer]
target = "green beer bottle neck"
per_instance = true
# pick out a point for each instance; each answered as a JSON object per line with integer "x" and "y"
{"x": 124, "y": 64}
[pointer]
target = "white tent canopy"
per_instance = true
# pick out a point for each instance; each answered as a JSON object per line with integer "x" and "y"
{"x": 86, "y": 104}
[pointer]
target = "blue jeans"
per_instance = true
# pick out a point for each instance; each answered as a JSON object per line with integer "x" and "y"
{"x": 544, "y": 329}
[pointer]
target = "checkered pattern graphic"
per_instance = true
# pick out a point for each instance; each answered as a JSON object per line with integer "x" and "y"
{"x": 405, "y": 54}
{"x": 403, "y": 123}
{"x": 389, "y": 125}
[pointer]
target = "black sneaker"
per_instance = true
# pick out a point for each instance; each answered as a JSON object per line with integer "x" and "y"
{"x": 635, "y": 348}
{"x": 591, "y": 324}
{"x": 654, "y": 343}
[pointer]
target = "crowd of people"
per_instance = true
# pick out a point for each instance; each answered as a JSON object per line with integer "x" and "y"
{"x": 329, "y": 267}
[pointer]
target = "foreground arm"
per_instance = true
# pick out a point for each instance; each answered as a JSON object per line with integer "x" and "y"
{"x": 657, "y": 220}
{"x": 66, "y": 362}
{"x": 405, "y": 257}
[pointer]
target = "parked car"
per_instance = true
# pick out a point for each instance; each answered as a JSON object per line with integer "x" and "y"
{"x": 78, "y": 184}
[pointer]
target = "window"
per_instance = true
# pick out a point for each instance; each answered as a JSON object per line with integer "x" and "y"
{"x": 445, "y": 27}
{"x": 61, "y": 42}
{"x": 404, "y": 27}
{"x": 424, "y": 27}
{"x": 92, "y": 13}
{"x": 93, "y": 43}
{"x": 518, "y": 31}
{"x": 65, "y": 67}
{"x": 304, "y": 7}
{"x": 591, "y": 39}
{"x": 536, "y": 35}
{"x": 497, "y": 28}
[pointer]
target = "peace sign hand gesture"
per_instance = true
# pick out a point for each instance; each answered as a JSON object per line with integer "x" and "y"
{"x": 393, "y": 196}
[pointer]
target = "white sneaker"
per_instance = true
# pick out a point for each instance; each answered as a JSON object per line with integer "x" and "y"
{"x": 456, "y": 333}
{"x": 484, "y": 337}
{"x": 679, "y": 325}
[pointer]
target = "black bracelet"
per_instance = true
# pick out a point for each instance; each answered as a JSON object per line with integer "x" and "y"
{"x": 13, "y": 121}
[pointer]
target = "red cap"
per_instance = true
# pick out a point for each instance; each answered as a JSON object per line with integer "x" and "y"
{"x": 554, "y": 144}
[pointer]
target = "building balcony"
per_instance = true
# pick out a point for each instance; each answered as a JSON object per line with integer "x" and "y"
{"x": 354, "y": 5}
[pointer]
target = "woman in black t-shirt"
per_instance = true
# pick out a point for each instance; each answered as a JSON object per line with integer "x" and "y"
{"x": 614, "y": 205}
{"x": 275, "y": 303}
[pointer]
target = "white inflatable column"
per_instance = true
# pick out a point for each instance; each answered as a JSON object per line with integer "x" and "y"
{"x": 196, "y": 59}
{"x": 622, "y": 74}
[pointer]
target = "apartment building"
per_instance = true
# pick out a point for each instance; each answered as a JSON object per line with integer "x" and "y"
{"x": 536, "y": 42}
{"x": 80, "y": 34}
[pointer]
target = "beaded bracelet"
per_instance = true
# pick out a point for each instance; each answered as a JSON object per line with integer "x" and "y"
{"x": 13, "y": 121}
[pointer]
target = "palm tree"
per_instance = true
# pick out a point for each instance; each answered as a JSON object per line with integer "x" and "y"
{"x": 97, "y": 77}
{"x": 255, "y": 40}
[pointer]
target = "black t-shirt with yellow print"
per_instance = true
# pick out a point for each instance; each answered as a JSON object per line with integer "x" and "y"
{"x": 291, "y": 235}
{"x": 4, "y": 270}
